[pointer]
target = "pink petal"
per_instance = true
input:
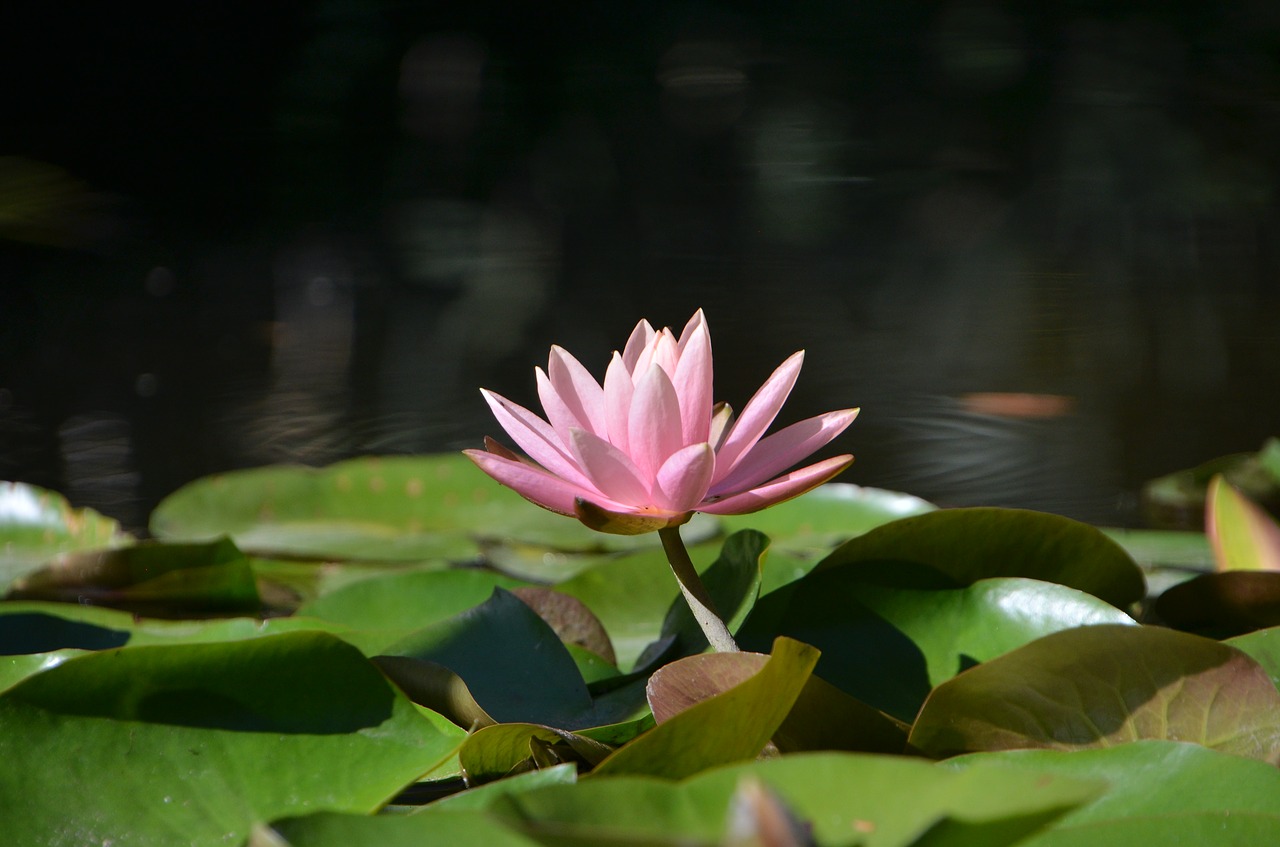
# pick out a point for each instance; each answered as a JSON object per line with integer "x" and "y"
{"x": 578, "y": 389}
{"x": 609, "y": 469}
{"x": 618, "y": 390}
{"x": 625, "y": 522}
{"x": 534, "y": 484}
{"x": 782, "y": 488}
{"x": 779, "y": 451}
{"x": 683, "y": 479}
{"x": 760, "y": 411}
{"x": 558, "y": 412}
{"x": 693, "y": 381}
{"x": 640, "y": 338}
{"x": 698, "y": 320}
{"x": 654, "y": 429}
{"x": 534, "y": 436}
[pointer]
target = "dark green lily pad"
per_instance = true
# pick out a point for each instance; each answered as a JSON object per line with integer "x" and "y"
{"x": 888, "y": 647}
{"x": 1161, "y": 792}
{"x": 184, "y": 731}
{"x": 454, "y": 828}
{"x": 971, "y": 544}
{"x": 513, "y": 663}
{"x": 1098, "y": 686}
{"x": 36, "y": 525}
{"x": 1221, "y": 605}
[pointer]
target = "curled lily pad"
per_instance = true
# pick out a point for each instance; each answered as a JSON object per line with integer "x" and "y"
{"x": 36, "y": 525}
{"x": 1098, "y": 686}
{"x": 1221, "y": 605}
{"x": 506, "y": 749}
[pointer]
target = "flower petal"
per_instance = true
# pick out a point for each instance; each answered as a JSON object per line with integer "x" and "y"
{"x": 759, "y": 412}
{"x": 534, "y": 436}
{"x": 618, "y": 390}
{"x": 558, "y": 413}
{"x": 775, "y": 453}
{"x": 693, "y": 381}
{"x": 578, "y": 389}
{"x": 684, "y": 478}
{"x": 625, "y": 522}
{"x": 782, "y": 488}
{"x": 721, "y": 417}
{"x": 534, "y": 484}
{"x": 654, "y": 431}
{"x": 640, "y": 338}
{"x": 609, "y": 469}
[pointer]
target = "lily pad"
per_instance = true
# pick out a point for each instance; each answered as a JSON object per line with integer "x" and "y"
{"x": 36, "y": 525}
{"x": 1177, "y": 500}
{"x": 1098, "y": 686}
{"x": 395, "y": 508}
{"x": 1221, "y": 605}
{"x": 1161, "y": 792}
{"x": 149, "y": 577}
{"x": 971, "y": 544}
{"x": 183, "y": 731}
{"x": 495, "y": 752}
{"x": 810, "y": 525}
{"x": 728, "y": 727}
{"x": 456, "y": 829}
{"x": 876, "y": 801}
{"x": 888, "y": 647}
{"x": 513, "y": 663}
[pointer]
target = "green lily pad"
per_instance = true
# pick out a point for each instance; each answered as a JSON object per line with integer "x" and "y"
{"x": 149, "y": 577}
{"x": 395, "y": 508}
{"x": 1161, "y": 792}
{"x": 727, "y": 727}
{"x": 971, "y": 544}
{"x": 494, "y": 752}
{"x": 513, "y": 663}
{"x": 1263, "y": 646}
{"x": 1157, "y": 548}
{"x": 808, "y": 526}
{"x": 184, "y": 733}
{"x": 888, "y": 647}
{"x": 36, "y": 525}
{"x": 1098, "y": 686}
{"x": 876, "y": 801}
{"x": 454, "y": 828}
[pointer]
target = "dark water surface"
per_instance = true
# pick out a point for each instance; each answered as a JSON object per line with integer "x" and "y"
{"x": 1038, "y": 246}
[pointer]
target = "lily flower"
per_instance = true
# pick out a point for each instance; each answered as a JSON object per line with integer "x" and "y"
{"x": 648, "y": 448}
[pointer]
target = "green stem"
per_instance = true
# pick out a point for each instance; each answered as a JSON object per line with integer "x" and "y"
{"x": 695, "y": 593}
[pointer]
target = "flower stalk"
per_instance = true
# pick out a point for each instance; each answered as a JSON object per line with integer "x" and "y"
{"x": 695, "y": 593}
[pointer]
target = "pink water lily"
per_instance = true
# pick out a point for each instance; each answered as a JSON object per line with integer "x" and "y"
{"x": 649, "y": 447}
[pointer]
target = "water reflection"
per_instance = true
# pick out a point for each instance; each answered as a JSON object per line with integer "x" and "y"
{"x": 950, "y": 205}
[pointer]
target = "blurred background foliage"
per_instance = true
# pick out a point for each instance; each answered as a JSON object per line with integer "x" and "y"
{"x": 1036, "y": 242}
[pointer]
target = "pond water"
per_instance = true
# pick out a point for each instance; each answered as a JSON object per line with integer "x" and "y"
{"x": 1037, "y": 249}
